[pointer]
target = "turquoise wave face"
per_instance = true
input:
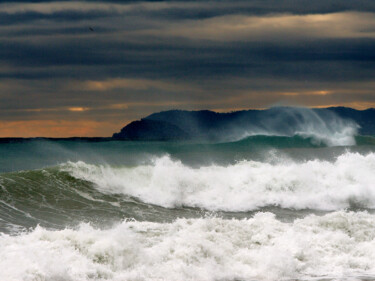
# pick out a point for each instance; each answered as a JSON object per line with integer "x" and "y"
{"x": 55, "y": 199}
{"x": 36, "y": 154}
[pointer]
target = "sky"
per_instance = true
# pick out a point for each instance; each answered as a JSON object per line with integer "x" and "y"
{"x": 71, "y": 68}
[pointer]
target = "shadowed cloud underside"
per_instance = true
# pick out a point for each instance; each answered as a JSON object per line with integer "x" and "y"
{"x": 88, "y": 68}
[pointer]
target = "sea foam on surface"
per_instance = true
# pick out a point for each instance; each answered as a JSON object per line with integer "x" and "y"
{"x": 336, "y": 245}
{"x": 348, "y": 181}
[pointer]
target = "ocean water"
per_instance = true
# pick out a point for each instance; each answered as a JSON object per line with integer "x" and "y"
{"x": 292, "y": 207}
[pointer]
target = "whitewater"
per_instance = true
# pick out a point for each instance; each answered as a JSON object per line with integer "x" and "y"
{"x": 270, "y": 205}
{"x": 243, "y": 186}
{"x": 259, "y": 248}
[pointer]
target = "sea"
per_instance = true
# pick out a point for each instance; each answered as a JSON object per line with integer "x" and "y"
{"x": 263, "y": 207}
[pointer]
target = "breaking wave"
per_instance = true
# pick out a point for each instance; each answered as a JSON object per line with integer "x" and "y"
{"x": 324, "y": 127}
{"x": 346, "y": 182}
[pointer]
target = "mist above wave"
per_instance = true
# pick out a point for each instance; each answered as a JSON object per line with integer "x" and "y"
{"x": 348, "y": 181}
{"x": 321, "y": 125}
{"x": 337, "y": 245}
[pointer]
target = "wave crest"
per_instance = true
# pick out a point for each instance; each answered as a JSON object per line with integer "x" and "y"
{"x": 243, "y": 186}
{"x": 323, "y": 127}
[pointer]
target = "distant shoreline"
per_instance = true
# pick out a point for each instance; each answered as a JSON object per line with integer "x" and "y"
{"x": 180, "y": 125}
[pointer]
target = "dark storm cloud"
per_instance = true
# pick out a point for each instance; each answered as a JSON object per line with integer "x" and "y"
{"x": 121, "y": 60}
{"x": 63, "y": 16}
{"x": 220, "y": 7}
{"x": 91, "y": 58}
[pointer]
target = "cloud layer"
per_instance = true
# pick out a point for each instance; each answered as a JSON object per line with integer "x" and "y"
{"x": 95, "y": 66}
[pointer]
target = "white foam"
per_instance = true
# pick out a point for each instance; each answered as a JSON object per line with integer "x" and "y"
{"x": 338, "y": 245}
{"x": 246, "y": 185}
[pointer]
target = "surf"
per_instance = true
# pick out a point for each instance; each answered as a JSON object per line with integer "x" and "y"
{"x": 339, "y": 245}
{"x": 244, "y": 186}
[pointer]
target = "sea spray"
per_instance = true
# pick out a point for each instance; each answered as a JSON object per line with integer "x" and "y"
{"x": 322, "y": 126}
